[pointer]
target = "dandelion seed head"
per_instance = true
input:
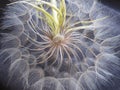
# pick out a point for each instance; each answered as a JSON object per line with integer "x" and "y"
{"x": 41, "y": 51}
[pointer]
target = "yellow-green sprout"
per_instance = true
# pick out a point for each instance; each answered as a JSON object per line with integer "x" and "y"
{"x": 57, "y": 19}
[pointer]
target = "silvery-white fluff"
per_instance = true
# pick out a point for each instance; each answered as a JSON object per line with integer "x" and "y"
{"x": 89, "y": 61}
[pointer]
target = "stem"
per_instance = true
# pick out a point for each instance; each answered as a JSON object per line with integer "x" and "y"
{"x": 54, "y": 3}
{"x": 55, "y": 16}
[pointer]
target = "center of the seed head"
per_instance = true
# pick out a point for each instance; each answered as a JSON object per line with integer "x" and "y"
{"x": 58, "y": 38}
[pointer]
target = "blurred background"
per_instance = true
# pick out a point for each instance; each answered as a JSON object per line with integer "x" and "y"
{"x": 115, "y": 4}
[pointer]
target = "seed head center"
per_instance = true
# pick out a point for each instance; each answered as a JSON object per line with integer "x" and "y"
{"x": 58, "y": 39}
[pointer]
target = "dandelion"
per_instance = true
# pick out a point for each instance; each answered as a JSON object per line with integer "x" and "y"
{"x": 51, "y": 47}
{"x": 59, "y": 37}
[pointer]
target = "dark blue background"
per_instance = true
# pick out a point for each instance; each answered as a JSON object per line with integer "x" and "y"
{"x": 112, "y": 3}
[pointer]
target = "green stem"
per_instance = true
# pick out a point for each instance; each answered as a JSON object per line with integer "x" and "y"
{"x": 54, "y": 3}
{"x": 55, "y": 15}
